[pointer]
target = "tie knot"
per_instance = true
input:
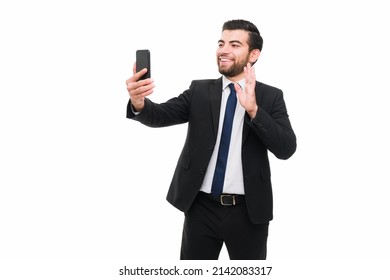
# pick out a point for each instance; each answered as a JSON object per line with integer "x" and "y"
{"x": 231, "y": 86}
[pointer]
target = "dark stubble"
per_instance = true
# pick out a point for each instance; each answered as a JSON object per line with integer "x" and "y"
{"x": 234, "y": 70}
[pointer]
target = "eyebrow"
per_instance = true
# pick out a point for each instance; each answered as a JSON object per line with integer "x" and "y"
{"x": 231, "y": 42}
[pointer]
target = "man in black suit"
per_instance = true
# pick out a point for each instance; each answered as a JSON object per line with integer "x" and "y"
{"x": 222, "y": 180}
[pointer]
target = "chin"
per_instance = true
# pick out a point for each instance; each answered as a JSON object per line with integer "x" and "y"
{"x": 224, "y": 70}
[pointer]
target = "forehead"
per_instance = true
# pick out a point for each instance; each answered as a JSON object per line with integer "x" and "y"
{"x": 235, "y": 35}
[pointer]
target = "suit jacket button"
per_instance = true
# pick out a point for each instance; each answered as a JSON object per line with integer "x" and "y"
{"x": 211, "y": 148}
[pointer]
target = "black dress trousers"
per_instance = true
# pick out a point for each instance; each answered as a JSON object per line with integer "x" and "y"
{"x": 208, "y": 224}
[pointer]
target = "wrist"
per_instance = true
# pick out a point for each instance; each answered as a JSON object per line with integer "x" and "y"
{"x": 253, "y": 112}
{"x": 137, "y": 107}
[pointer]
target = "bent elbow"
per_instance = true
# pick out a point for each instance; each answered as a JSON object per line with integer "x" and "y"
{"x": 287, "y": 150}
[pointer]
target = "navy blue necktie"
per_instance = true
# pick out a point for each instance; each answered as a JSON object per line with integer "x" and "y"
{"x": 220, "y": 168}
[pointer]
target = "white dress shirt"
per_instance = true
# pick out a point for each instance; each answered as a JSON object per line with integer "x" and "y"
{"x": 234, "y": 182}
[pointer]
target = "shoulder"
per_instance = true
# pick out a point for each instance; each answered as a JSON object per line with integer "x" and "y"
{"x": 205, "y": 82}
{"x": 267, "y": 95}
{"x": 267, "y": 88}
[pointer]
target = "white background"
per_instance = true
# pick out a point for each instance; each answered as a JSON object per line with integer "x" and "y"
{"x": 79, "y": 181}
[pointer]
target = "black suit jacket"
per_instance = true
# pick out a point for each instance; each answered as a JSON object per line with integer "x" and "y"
{"x": 200, "y": 107}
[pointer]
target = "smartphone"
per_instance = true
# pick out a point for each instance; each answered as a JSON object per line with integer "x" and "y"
{"x": 143, "y": 61}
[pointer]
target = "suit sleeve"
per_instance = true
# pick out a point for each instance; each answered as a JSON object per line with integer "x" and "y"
{"x": 274, "y": 129}
{"x": 174, "y": 111}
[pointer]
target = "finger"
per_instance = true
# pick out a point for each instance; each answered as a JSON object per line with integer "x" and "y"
{"x": 140, "y": 88}
{"x": 249, "y": 73}
{"x": 140, "y": 73}
{"x": 141, "y": 96}
{"x": 136, "y": 76}
{"x": 250, "y": 77}
{"x": 237, "y": 88}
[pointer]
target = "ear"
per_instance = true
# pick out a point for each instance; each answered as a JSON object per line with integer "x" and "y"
{"x": 254, "y": 55}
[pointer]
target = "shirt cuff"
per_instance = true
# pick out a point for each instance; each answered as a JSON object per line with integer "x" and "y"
{"x": 132, "y": 109}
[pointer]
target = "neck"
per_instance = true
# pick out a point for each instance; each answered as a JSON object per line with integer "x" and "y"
{"x": 237, "y": 77}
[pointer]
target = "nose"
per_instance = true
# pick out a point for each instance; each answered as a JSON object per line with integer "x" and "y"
{"x": 222, "y": 51}
{"x": 225, "y": 48}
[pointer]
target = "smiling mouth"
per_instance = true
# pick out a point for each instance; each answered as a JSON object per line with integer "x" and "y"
{"x": 225, "y": 61}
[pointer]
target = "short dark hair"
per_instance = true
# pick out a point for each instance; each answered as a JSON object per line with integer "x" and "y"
{"x": 255, "y": 40}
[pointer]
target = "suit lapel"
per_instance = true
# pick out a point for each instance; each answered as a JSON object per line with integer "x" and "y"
{"x": 215, "y": 103}
{"x": 215, "y": 100}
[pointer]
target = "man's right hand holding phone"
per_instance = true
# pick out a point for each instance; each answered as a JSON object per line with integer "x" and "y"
{"x": 139, "y": 89}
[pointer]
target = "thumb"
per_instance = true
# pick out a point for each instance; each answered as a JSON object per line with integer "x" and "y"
{"x": 238, "y": 88}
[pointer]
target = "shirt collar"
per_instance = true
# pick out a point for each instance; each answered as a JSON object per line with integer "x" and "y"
{"x": 226, "y": 82}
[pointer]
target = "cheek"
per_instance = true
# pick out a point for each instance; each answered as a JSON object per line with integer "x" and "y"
{"x": 217, "y": 55}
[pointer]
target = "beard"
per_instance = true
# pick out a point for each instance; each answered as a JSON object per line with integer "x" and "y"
{"x": 234, "y": 70}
